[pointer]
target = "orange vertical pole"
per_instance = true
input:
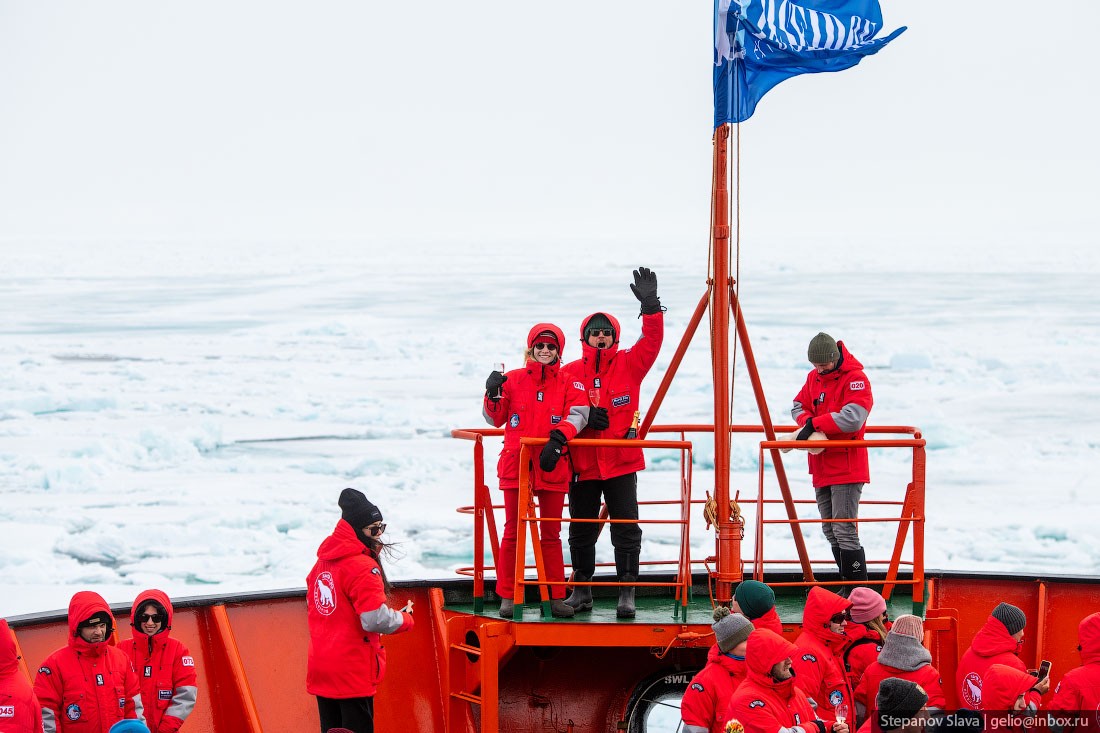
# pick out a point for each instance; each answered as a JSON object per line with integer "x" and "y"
{"x": 522, "y": 498}
{"x": 919, "y": 462}
{"x": 727, "y": 552}
{"x": 480, "y": 496}
{"x": 228, "y": 642}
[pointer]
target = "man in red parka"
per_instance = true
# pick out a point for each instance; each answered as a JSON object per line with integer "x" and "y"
{"x": 703, "y": 707}
{"x": 20, "y": 711}
{"x": 819, "y": 661}
{"x": 88, "y": 685}
{"x": 836, "y": 400}
{"x": 164, "y": 666}
{"x": 612, "y": 378}
{"x": 1078, "y": 694}
{"x": 346, "y": 608}
{"x": 768, "y": 701}
{"x": 997, "y": 642}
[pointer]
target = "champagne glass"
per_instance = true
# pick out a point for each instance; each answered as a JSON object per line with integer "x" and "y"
{"x": 499, "y": 367}
{"x": 841, "y": 712}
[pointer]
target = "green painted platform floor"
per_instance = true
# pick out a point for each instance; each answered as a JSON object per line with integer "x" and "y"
{"x": 655, "y": 607}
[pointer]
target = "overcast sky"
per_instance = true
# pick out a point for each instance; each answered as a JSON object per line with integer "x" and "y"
{"x": 500, "y": 122}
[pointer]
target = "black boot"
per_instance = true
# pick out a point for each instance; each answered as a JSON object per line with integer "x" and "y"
{"x": 853, "y": 567}
{"x": 581, "y": 597}
{"x": 842, "y": 590}
{"x": 626, "y": 609}
{"x": 839, "y": 562}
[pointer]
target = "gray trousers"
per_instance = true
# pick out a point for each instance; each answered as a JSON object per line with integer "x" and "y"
{"x": 840, "y": 501}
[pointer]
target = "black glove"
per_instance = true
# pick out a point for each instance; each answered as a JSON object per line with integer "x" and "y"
{"x": 551, "y": 452}
{"x": 645, "y": 290}
{"x": 493, "y": 384}
{"x": 807, "y": 429}
{"x": 597, "y": 418}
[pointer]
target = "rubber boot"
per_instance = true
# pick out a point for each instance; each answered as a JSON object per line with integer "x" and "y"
{"x": 854, "y": 567}
{"x": 507, "y": 607}
{"x": 581, "y": 597}
{"x": 841, "y": 590}
{"x": 625, "y": 608}
{"x": 559, "y": 609}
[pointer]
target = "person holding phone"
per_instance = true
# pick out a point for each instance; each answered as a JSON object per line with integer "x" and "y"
{"x": 1079, "y": 690}
{"x": 535, "y": 401}
{"x": 997, "y": 642}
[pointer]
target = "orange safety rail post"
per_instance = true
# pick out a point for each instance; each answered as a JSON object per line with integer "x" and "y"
{"x": 483, "y": 514}
{"x": 944, "y": 625}
{"x": 224, "y": 631}
{"x": 526, "y": 505}
{"x": 914, "y": 502}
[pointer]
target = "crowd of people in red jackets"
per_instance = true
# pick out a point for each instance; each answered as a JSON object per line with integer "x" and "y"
{"x": 853, "y": 669}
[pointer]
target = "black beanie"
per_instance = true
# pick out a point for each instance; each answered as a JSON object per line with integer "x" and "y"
{"x": 898, "y": 701}
{"x": 600, "y": 321}
{"x": 356, "y": 510}
{"x": 99, "y": 617}
{"x": 1012, "y": 617}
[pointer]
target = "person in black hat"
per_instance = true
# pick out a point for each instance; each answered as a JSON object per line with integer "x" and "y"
{"x": 346, "y": 593}
{"x": 997, "y": 642}
{"x": 835, "y": 400}
{"x": 901, "y": 705}
{"x": 612, "y": 378}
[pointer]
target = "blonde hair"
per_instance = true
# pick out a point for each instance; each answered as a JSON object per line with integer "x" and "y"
{"x": 877, "y": 625}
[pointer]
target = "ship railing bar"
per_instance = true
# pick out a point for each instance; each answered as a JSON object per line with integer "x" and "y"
{"x": 858, "y": 520}
{"x": 478, "y": 433}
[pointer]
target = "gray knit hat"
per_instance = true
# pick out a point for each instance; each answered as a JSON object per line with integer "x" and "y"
{"x": 898, "y": 701}
{"x": 730, "y": 629}
{"x": 822, "y": 349}
{"x": 1012, "y": 617}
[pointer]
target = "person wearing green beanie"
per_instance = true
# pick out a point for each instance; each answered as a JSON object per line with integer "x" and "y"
{"x": 835, "y": 400}
{"x": 757, "y": 601}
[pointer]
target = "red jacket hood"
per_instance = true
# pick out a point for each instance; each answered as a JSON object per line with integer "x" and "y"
{"x": 9, "y": 661}
{"x": 589, "y": 352}
{"x": 1089, "y": 635}
{"x": 993, "y": 639}
{"x": 822, "y": 605}
{"x": 1001, "y": 685}
{"x": 765, "y": 650}
{"x": 848, "y": 363}
{"x": 156, "y": 596}
{"x": 543, "y": 327}
{"x": 83, "y": 605}
{"x": 343, "y": 542}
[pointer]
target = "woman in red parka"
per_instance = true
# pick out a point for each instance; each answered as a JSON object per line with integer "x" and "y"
{"x": 865, "y": 634}
{"x": 1079, "y": 690}
{"x": 164, "y": 666}
{"x": 903, "y": 656}
{"x": 819, "y": 662}
{"x": 346, "y": 607}
{"x": 536, "y": 401}
{"x": 20, "y": 711}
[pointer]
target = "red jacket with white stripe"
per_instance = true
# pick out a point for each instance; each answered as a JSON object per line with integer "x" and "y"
{"x": 164, "y": 666}
{"x": 818, "y": 661}
{"x": 347, "y": 614}
{"x": 706, "y": 699}
{"x": 839, "y": 403}
{"x": 763, "y": 705}
{"x": 85, "y": 687}
{"x": 617, "y": 374}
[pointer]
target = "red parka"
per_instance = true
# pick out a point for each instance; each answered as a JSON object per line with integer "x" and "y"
{"x": 706, "y": 699}
{"x": 345, "y": 597}
{"x": 818, "y": 661}
{"x": 760, "y": 703}
{"x": 770, "y": 620}
{"x": 1002, "y": 686}
{"x": 535, "y": 400}
{"x": 1079, "y": 690}
{"x": 85, "y": 687}
{"x": 991, "y": 645}
{"x": 164, "y": 666}
{"x": 926, "y": 676}
{"x": 825, "y": 397}
{"x": 20, "y": 711}
{"x": 617, "y": 374}
{"x": 864, "y": 644}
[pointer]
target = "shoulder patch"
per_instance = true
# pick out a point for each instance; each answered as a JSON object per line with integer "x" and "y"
{"x": 188, "y": 661}
{"x": 697, "y": 687}
{"x": 578, "y": 385}
{"x": 376, "y": 571}
{"x": 809, "y": 658}
{"x": 757, "y": 704}
{"x": 857, "y": 385}
{"x": 44, "y": 670}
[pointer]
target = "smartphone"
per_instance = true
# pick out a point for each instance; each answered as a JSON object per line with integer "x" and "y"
{"x": 1044, "y": 669}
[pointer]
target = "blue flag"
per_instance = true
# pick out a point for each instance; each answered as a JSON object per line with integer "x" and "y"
{"x": 759, "y": 43}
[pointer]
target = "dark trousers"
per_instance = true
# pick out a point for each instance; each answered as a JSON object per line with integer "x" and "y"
{"x": 354, "y": 713}
{"x": 621, "y": 496}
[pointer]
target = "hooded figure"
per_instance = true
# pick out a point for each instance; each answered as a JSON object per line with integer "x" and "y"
{"x": 89, "y": 684}
{"x": 348, "y": 615}
{"x": 903, "y": 656}
{"x": 1008, "y": 696}
{"x": 1080, "y": 688}
{"x": 22, "y": 712}
{"x": 165, "y": 668}
{"x": 819, "y": 661}
{"x": 769, "y": 700}
{"x": 537, "y": 401}
{"x": 704, "y": 704}
{"x": 995, "y": 643}
{"x": 757, "y": 601}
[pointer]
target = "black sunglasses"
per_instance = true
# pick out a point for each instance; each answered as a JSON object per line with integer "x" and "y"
{"x": 377, "y": 529}
{"x": 156, "y": 618}
{"x": 548, "y": 345}
{"x": 600, "y": 332}
{"x": 839, "y": 618}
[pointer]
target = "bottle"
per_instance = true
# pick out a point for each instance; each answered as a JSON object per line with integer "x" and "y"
{"x": 633, "y": 432}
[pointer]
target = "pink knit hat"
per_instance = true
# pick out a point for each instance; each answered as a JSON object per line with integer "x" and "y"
{"x": 866, "y": 604}
{"x": 910, "y": 626}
